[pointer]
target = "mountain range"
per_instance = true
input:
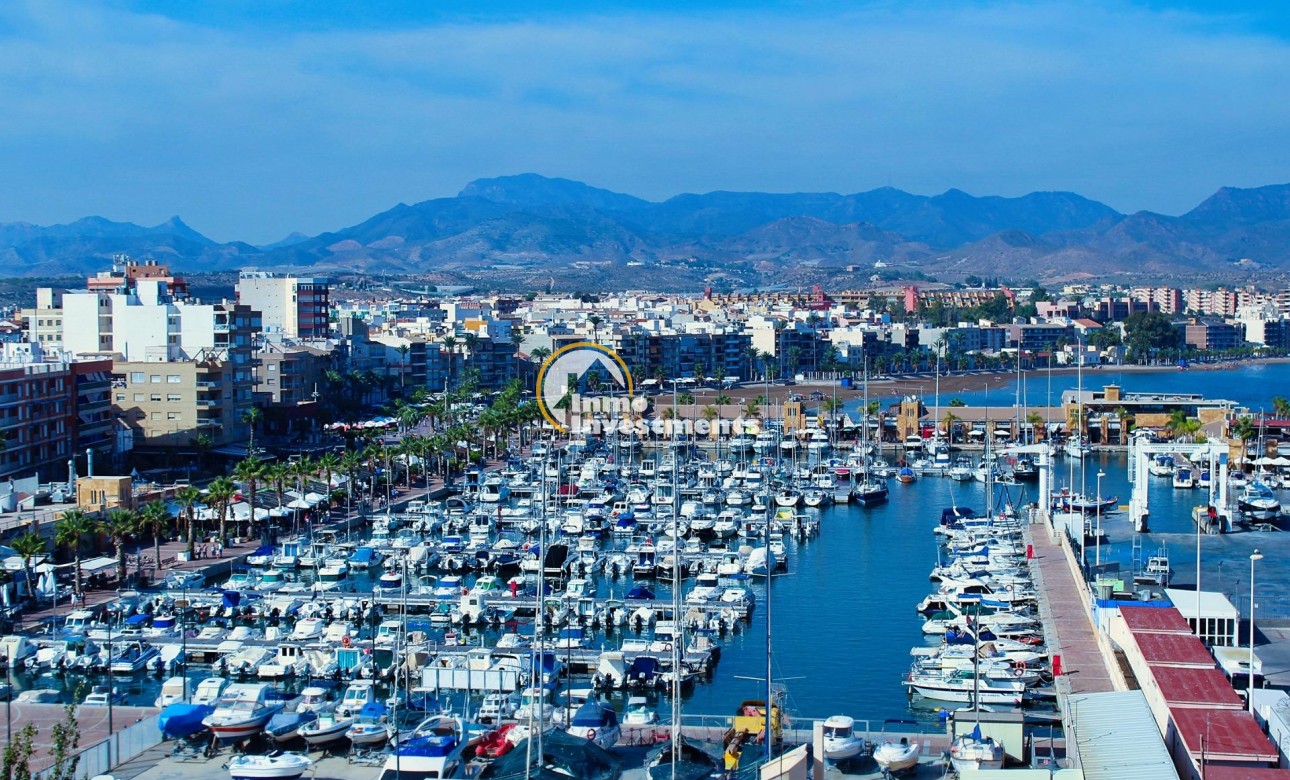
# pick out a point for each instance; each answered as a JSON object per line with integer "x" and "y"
{"x": 534, "y": 231}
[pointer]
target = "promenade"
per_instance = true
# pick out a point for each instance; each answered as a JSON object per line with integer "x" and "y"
{"x": 1068, "y": 629}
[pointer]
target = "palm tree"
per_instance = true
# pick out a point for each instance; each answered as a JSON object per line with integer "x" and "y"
{"x": 328, "y": 465}
{"x": 249, "y": 472}
{"x": 188, "y": 498}
{"x": 29, "y": 545}
{"x": 723, "y": 400}
{"x": 1242, "y": 428}
{"x": 1281, "y": 407}
{"x": 403, "y": 351}
{"x": 409, "y": 418}
{"x": 540, "y": 353}
{"x": 948, "y": 420}
{"x": 1036, "y": 421}
{"x": 251, "y": 417}
{"x": 119, "y": 524}
{"x": 154, "y": 518}
{"x": 595, "y": 321}
{"x": 1181, "y": 426}
{"x": 71, "y": 530}
{"x": 220, "y": 493}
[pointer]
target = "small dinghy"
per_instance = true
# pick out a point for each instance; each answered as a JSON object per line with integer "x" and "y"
{"x": 282, "y": 766}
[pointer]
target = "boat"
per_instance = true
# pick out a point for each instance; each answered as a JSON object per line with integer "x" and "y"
{"x": 896, "y": 757}
{"x": 329, "y": 726}
{"x": 37, "y": 696}
{"x": 134, "y": 657}
{"x": 280, "y": 766}
{"x": 243, "y": 710}
{"x": 285, "y": 726}
{"x": 1258, "y": 502}
{"x": 639, "y": 713}
{"x": 497, "y": 742}
{"x": 596, "y": 722}
{"x": 556, "y": 756}
{"x": 906, "y": 475}
{"x": 172, "y": 690}
{"x": 840, "y": 739}
{"x": 692, "y": 761}
{"x": 370, "y": 727}
{"x": 181, "y": 719}
{"x": 437, "y": 754}
{"x": 103, "y": 696}
{"x": 1184, "y": 478}
{"x": 973, "y": 752}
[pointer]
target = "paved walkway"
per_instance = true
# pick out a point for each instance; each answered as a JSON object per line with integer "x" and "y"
{"x": 1068, "y": 631}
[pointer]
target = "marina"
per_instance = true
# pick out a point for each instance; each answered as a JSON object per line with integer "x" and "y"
{"x": 445, "y": 601}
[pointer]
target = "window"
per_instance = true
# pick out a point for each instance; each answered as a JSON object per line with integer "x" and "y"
{"x": 120, "y": 396}
{"x": 155, "y": 379}
{"x": 173, "y": 379}
{"x": 273, "y": 381}
{"x": 138, "y": 376}
{"x": 155, "y": 397}
{"x": 156, "y": 415}
{"x": 138, "y": 396}
{"x": 273, "y": 366}
{"x": 174, "y": 397}
{"x": 173, "y": 415}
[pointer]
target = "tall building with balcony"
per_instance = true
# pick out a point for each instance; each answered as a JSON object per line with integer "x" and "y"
{"x": 297, "y": 307}
{"x": 36, "y": 415}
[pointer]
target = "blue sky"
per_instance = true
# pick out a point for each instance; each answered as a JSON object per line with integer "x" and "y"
{"x": 255, "y": 119}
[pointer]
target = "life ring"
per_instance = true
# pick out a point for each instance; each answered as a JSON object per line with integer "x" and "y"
{"x": 345, "y": 641}
{"x": 591, "y": 734}
{"x": 667, "y": 647}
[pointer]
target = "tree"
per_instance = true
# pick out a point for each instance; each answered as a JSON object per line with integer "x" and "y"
{"x": 403, "y": 350}
{"x": 252, "y": 418}
{"x": 71, "y": 530}
{"x": 188, "y": 498}
{"x": 948, "y": 421}
{"x": 119, "y": 525}
{"x": 249, "y": 472}
{"x": 753, "y": 408}
{"x": 956, "y": 403}
{"x": 17, "y": 754}
{"x": 1281, "y": 407}
{"x": 722, "y": 400}
{"x": 65, "y": 739}
{"x": 220, "y": 494}
{"x": 595, "y": 321}
{"x": 1182, "y": 427}
{"x": 28, "y": 546}
{"x": 155, "y": 519}
{"x": 1242, "y": 428}
{"x": 1149, "y": 332}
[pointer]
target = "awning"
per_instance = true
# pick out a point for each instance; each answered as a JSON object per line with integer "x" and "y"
{"x": 98, "y": 565}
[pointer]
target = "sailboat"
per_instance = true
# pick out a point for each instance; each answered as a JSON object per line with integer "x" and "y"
{"x": 1077, "y": 445}
{"x": 973, "y": 751}
{"x": 870, "y": 490}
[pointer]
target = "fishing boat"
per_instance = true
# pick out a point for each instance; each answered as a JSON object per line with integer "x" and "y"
{"x": 973, "y": 752}
{"x": 281, "y": 766}
{"x": 840, "y": 739}
{"x": 243, "y": 710}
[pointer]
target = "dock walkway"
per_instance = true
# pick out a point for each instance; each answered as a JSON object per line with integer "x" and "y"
{"x": 1068, "y": 631}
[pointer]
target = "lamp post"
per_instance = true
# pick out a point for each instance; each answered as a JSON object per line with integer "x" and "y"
{"x": 1097, "y": 537}
{"x": 1249, "y": 693}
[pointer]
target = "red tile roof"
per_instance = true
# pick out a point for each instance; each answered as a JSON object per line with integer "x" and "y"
{"x": 1245, "y": 773}
{"x": 1229, "y": 735}
{"x": 1183, "y": 687}
{"x": 1155, "y": 620}
{"x": 1174, "y": 650}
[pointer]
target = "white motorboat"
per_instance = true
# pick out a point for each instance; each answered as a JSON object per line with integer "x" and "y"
{"x": 282, "y": 766}
{"x": 329, "y": 727}
{"x": 639, "y": 713}
{"x": 1184, "y": 479}
{"x": 596, "y": 722}
{"x": 104, "y": 695}
{"x": 893, "y": 757}
{"x": 974, "y": 752}
{"x": 243, "y": 710}
{"x": 840, "y": 739}
{"x": 133, "y": 657}
{"x": 1258, "y": 502}
{"x": 172, "y": 691}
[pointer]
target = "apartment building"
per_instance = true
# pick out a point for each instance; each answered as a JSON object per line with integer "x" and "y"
{"x": 297, "y": 307}
{"x": 36, "y": 414}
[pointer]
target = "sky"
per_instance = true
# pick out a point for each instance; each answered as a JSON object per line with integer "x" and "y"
{"x": 252, "y": 119}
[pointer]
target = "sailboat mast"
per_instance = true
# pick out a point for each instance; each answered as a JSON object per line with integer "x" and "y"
{"x": 770, "y": 688}
{"x": 676, "y": 590}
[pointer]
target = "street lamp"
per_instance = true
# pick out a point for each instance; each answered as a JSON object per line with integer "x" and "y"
{"x": 1098, "y": 534}
{"x": 1249, "y": 693}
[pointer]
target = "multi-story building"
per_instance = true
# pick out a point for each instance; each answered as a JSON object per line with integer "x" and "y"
{"x": 1212, "y": 335}
{"x": 287, "y": 375}
{"x": 296, "y": 307}
{"x": 717, "y": 353}
{"x": 1166, "y": 300}
{"x": 38, "y": 413}
{"x": 44, "y": 323}
{"x": 1036, "y": 337}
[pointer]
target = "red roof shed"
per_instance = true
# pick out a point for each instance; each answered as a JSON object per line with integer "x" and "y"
{"x": 1174, "y": 650}
{"x": 1229, "y": 735}
{"x": 1155, "y": 620}
{"x": 1205, "y": 688}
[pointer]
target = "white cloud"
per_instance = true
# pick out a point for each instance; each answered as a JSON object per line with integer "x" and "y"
{"x": 252, "y": 134}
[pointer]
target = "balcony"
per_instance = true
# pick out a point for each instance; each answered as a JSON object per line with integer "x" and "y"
{"x": 207, "y": 403}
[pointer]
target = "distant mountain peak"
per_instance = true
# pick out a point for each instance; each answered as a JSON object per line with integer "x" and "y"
{"x": 532, "y": 190}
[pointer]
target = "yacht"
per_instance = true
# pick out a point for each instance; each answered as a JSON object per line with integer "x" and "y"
{"x": 243, "y": 710}
{"x": 1258, "y": 502}
{"x": 596, "y": 722}
{"x": 434, "y": 751}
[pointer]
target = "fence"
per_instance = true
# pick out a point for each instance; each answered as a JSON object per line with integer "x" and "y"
{"x": 123, "y": 745}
